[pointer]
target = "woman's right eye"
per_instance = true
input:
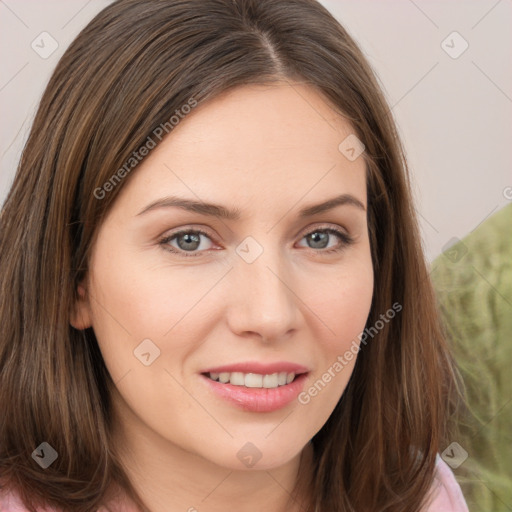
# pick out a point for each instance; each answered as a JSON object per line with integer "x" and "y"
{"x": 191, "y": 241}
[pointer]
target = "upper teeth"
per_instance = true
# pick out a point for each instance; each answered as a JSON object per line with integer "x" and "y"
{"x": 253, "y": 380}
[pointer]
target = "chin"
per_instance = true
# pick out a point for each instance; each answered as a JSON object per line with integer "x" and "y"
{"x": 258, "y": 455}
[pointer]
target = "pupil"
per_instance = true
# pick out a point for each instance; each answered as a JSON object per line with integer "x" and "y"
{"x": 190, "y": 238}
{"x": 316, "y": 237}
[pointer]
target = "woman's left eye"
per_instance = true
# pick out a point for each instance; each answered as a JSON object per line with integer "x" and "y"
{"x": 320, "y": 237}
{"x": 189, "y": 241}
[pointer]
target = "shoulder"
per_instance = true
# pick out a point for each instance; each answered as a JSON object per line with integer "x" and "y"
{"x": 446, "y": 492}
{"x": 11, "y": 502}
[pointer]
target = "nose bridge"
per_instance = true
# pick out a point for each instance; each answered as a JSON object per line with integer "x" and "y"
{"x": 264, "y": 301}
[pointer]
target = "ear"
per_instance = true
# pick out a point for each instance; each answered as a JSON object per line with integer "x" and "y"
{"x": 81, "y": 317}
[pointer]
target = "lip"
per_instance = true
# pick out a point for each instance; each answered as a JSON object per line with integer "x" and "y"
{"x": 261, "y": 368}
{"x": 258, "y": 399}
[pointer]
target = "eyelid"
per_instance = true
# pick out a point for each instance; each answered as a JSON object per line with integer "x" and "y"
{"x": 321, "y": 226}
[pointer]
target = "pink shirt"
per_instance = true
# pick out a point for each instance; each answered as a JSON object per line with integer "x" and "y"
{"x": 447, "y": 495}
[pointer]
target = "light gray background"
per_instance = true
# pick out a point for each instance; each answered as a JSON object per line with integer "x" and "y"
{"x": 454, "y": 114}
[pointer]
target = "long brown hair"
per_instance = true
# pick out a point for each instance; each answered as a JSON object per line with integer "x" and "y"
{"x": 129, "y": 70}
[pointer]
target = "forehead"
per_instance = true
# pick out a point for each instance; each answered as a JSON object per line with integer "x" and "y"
{"x": 259, "y": 145}
{"x": 285, "y": 118}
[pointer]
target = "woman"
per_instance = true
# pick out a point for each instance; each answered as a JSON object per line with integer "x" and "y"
{"x": 213, "y": 289}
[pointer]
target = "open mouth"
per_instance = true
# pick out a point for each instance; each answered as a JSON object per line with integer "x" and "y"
{"x": 254, "y": 380}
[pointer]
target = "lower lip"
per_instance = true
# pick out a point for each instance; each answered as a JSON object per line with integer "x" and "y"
{"x": 258, "y": 399}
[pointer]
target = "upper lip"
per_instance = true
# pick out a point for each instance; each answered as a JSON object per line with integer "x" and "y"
{"x": 260, "y": 368}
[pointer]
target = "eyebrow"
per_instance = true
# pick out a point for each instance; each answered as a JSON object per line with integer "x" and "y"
{"x": 219, "y": 211}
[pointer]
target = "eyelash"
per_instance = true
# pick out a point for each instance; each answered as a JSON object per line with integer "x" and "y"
{"x": 345, "y": 239}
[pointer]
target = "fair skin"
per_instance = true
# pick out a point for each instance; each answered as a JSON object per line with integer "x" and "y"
{"x": 269, "y": 151}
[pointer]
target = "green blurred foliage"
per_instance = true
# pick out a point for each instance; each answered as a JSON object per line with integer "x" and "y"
{"x": 473, "y": 282}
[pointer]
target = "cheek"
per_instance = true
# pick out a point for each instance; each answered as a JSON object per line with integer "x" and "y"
{"x": 342, "y": 307}
{"x": 343, "y": 303}
{"x": 143, "y": 297}
{"x": 136, "y": 298}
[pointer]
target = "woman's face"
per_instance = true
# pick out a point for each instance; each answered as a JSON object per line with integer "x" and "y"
{"x": 268, "y": 292}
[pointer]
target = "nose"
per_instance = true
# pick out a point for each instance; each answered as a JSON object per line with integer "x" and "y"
{"x": 263, "y": 303}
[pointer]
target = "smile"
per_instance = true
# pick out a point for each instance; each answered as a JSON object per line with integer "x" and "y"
{"x": 254, "y": 392}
